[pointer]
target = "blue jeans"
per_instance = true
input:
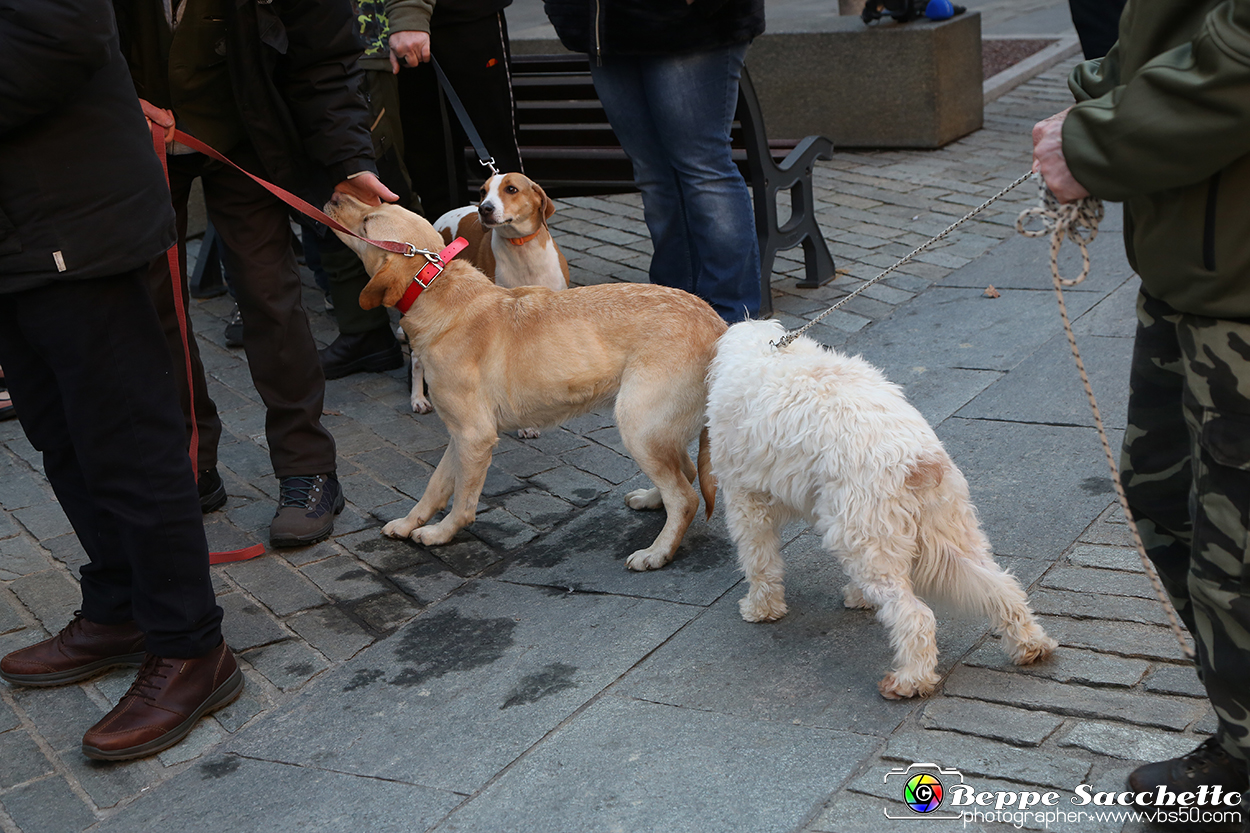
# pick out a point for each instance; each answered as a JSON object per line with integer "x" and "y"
{"x": 672, "y": 115}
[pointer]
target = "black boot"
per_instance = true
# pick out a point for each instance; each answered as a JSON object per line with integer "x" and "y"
{"x": 1207, "y": 765}
{"x": 373, "y": 351}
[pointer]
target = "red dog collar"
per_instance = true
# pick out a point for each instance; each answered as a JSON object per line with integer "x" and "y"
{"x": 431, "y": 270}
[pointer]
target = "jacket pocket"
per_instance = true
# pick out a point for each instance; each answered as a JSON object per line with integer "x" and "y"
{"x": 10, "y": 242}
{"x": 1208, "y": 225}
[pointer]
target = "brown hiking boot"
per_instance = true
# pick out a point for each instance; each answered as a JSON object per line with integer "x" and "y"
{"x": 306, "y": 510}
{"x": 81, "y": 650}
{"x": 163, "y": 705}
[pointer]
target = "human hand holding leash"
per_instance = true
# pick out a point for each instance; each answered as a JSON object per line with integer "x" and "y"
{"x": 1048, "y": 159}
{"x": 412, "y": 48}
{"x": 162, "y": 118}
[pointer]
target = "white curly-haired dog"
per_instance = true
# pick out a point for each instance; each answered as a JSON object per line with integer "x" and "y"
{"x": 806, "y": 432}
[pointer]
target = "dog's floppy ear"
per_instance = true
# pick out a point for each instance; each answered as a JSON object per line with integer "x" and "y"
{"x": 549, "y": 207}
{"x": 387, "y": 285}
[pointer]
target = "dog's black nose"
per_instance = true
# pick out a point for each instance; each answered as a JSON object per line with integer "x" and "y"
{"x": 486, "y": 208}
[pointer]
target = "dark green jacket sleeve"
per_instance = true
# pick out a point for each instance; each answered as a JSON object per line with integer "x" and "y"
{"x": 1174, "y": 120}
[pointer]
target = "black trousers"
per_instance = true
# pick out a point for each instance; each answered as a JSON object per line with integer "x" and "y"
{"x": 1097, "y": 24}
{"x": 281, "y": 353}
{"x": 475, "y": 58}
{"x": 92, "y": 380}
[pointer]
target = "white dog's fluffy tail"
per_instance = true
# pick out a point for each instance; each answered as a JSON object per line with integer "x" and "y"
{"x": 957, "y": 566}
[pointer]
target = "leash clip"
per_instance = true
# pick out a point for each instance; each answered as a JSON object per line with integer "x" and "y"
{"x": 431, "y": 257}
{"x": 490, "y": 163}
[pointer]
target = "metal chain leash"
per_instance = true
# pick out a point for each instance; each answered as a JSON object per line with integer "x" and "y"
{"x": 1078, "y": 222}
{"x": 793, "y": 334}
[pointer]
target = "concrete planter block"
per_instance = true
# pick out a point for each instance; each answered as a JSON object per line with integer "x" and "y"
{"x": 915, "y": 84}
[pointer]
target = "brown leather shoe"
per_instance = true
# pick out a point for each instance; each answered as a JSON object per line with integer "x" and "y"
{"x": 81, "y": 650}
{"x": 163, "y": 704}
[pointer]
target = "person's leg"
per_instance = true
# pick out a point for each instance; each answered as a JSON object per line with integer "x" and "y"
{"x": 1165, "y": 478}
{"x": 1217, "y": 409}
{"x": 1097, "y": 24}
{"x": 1155, "y": 463}
{"x": 425, "y": 145}
{"x": 475, "y": 57}
{"x": 695, "y": 96}
{"x": 619, "y": 83}
{"x": 673, "y": 115}
{"x": 182, "y": 172}
{"x": 122, "y": 472}
{"x": 281, "y": 352}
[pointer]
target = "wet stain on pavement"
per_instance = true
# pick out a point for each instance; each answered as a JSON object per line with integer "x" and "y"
{"x": 437, "y": 645}
{"x": 1097, "y": 486}
{"x": 219, "y": 768}
{"x": 364, "y": 677}
{"x": 531, "y": 688}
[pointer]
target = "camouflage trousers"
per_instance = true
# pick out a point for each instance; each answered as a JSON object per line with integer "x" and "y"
{"x": 1186, "y": 469}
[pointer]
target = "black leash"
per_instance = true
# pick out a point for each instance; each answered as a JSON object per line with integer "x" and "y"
{"x": 479, "y": 146}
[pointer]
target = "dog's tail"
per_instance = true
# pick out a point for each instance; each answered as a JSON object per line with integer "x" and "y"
{"x": 707, "y": 482}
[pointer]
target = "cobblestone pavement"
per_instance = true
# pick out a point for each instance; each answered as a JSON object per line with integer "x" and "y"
{"x": 534, "y": 684}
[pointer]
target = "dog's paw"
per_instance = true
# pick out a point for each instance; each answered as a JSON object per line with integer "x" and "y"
{"x": 1032, "y": 650}
{"x": 644, "y": 499}
{"x": 853, "y": 598}
{"x": 432, "y": 535}
{"x": 529, "y": 433}
{"x": 421, "y": 405}
{"x": 894, "y": 687}
{"x": 758, "y": 611}
{"x": 399, "y": 528}
{"x": 647, "y": 559}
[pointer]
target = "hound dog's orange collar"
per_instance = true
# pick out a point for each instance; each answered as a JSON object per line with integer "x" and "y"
{"x": 431, "y": 270}
{"x": 521, "y": 241}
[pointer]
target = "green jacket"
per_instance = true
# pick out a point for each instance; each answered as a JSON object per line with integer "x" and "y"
{"x": 1162, "y": 123}
{"x": 377, "y": 19}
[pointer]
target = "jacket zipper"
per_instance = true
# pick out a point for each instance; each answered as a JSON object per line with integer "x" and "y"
{"x": 598, "y": 50}
{"x": 1208, "y": 229}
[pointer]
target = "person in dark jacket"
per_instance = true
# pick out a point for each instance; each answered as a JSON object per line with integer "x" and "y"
{"x": 83, "y": 211}
{"x": 1162, "y": 123}
{"x": 276, "y": 87}
{"x": 667, "y": 75}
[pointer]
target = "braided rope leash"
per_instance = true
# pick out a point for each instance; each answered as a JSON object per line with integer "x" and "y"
{"x": 793, "y": 334}
{"x": 1078, "y": 222}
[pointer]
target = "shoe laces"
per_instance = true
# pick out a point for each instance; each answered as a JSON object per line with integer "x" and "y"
{"x": 145, "y": 685}
{"x": 1209, "y": 753}
{"x": 297, "y": 490}
{"x": 74, "y": 625}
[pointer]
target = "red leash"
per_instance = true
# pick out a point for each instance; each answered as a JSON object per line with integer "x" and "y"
{"x": 431, "y": 270}
{"x": 158, "y": 142}
{"x": 304, "y": 207}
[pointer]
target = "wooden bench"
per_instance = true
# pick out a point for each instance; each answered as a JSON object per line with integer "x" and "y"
{"x": 569, "y": 148}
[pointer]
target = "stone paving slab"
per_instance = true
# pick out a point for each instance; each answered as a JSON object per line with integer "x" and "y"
{"x": 588, "y": 554}
{"x": 226, "y": 792}
{"x": 1036, "y": 487}
{"x": 1024, "y": 263}
{"x": 482, "y": 662}
{"x": 818, "y": 666}
{"x": 1046, "y": 387}
{"x": 962, "y": 328}
{"x": 632, "y": 765}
